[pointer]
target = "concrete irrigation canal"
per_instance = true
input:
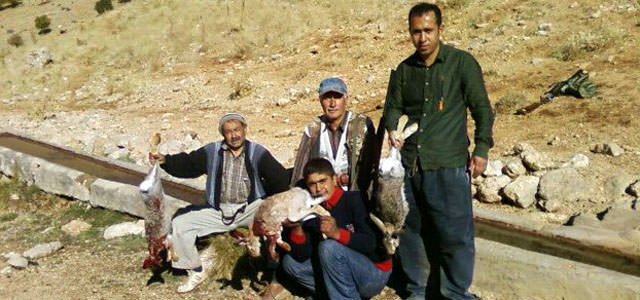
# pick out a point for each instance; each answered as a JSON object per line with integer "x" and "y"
{"x": 514, "y": 255}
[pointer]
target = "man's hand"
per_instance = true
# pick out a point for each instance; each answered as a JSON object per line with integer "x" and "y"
{"x": 477, "y": 166}
{"x": 329, "y": 228}
{"x": 153, "y": 157}
{"x": 395, "y": 140}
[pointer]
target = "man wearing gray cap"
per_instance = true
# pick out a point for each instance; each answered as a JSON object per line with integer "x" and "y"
{"x": 344, "y": 138}
{"x": 240, "y": 173}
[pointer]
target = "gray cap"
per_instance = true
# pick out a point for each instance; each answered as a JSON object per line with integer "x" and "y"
{"x": 229, "y": 117}
{"x": 332, "y": 85}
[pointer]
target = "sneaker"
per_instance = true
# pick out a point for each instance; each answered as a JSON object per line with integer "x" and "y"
{"x": 272, "y": 291}
{"x": 195, "y": 278}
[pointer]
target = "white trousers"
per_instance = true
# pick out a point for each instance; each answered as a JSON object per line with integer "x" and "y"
{"x": 191, "y": 225}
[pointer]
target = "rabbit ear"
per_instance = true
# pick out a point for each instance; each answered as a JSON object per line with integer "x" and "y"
{"x": 402, "y": 122}
{"x": 378, "y": 222}
{"x": 409, "y": 131}
{"x": 154, "y": 141}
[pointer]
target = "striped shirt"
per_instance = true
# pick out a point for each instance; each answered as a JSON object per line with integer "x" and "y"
{"x": 235, "y": 185}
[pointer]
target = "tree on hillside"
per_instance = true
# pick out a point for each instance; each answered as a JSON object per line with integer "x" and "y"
{"x": 103, "y": 5}
{"x": 15, "y": 40}
{"x": 42, "y": 24}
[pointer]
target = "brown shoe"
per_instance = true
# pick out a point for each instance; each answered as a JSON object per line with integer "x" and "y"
{"x": 273, "y": 292}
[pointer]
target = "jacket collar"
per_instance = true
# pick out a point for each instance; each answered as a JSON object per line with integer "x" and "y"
{"x": 343, "y": 123}
{"x": 333, "y": 199}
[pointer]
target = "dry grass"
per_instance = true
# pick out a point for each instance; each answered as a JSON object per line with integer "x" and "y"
{"x": 150, "y": 36}
{"x": 579, "y": 44}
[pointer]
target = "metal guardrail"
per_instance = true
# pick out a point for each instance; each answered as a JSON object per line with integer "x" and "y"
{"x": 486, "y": 228}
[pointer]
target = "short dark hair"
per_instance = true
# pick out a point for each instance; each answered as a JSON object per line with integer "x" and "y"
{"x": 423, "y": 8}
{"x": 318, "y": 165}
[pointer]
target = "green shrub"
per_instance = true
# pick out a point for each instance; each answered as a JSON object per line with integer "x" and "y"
{"x": 42, "y": 23}
{"x": 123, "y": 1}
{"x": 15, "y": 40}
{"x": 103, "y": 5}
{"x": 510, "y": 102}
{"x": 581, "y": 43}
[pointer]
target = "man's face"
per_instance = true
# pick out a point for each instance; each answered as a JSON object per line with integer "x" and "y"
{"x": 234, "y": 134}
{"x": 425, "y": 33}
{"x": 320, "y": 184}
{"x": 333, "y": 105}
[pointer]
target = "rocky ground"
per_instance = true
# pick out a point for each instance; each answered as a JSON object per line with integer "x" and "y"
{"x": 104, "y": 84}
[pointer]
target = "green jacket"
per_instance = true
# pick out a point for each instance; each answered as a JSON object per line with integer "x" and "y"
{"x": 437, "y": 98}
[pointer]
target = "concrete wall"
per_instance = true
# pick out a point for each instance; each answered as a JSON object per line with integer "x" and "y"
{"x": 60, "y": 180}
{"x": 514, "y": 273}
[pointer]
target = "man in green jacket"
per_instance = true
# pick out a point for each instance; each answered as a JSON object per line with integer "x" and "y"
{"x": 435, "y": 86}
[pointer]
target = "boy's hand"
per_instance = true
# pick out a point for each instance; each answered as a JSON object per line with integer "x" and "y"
{"x": 329, "y": 227}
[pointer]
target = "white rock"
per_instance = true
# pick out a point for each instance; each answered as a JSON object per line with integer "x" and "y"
{"x": 514, "y": 168}
{"x": 537, "y": 61}
{"x": 551, "y": 205}
{"x": 171, "y": 147}
{"x": 39, "y": 58}
{"x": 6, "y": 271}
{"x": 42, "y": 250}
{"x": 535, "y": 161}
{"x": 544, "y": 26}
{"x": 370, "y": 78}
{"x": 17, "y": 261}
{"x": 9, "y": 254}
{"x": 489, "y": 190}
{"x": 285, "y": 133}
{"x": 494, "y": 168}
{"x": 76, "y": 227}
{"x": 554, "y": 141}
{"x": 565, "y": 185}
{"x": 613, "y": 149}
{"x": 542, "y": 32}
{"x": 283, "y": 102}
{"x": 14, "y": 197}
{"x": 120, "y": 154}
{"x": 521, "y": 147}
{"x": 522, "y": 191}
{"x": 125, "y": 228}
{"x": 577, "y": 161}
{"x": 284, "y": 155}
{"x": 616, "y": 185}
{"x": 122, "y": 141}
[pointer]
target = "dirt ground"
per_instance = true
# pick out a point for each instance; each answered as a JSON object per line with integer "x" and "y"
{"x": 176, "y": 66}
{"x": 90, "y": 267}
